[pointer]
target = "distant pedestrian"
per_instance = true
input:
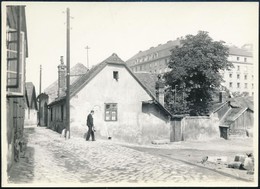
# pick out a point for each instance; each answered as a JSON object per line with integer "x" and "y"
{"x": 90, "y": 124}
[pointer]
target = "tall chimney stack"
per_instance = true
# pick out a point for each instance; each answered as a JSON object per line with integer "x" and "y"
{"x": 159, "y": 86}
{"x": 61, "y": 77}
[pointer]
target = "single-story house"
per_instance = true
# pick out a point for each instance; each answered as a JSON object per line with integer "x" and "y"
{"x": 126, "y": 108}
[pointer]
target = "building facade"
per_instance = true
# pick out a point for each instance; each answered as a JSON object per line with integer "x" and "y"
{"x": 16, "y": 53}
{"x": 125, "y": 109}
{"x": 237, "y": 80}
{"x": 240, "y": 78}
{"x": 31, "y": 108}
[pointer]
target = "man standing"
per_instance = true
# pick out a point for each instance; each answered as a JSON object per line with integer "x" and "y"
{"x": 90, "y": 125}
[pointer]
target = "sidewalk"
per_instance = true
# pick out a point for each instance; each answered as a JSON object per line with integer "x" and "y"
{"x": 50, "y": 159}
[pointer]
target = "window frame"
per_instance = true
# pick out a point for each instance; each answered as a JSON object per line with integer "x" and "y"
{"x": 17, "y": 89}
{"x": 116, "y": 75}
{"x": 110, "y": 110}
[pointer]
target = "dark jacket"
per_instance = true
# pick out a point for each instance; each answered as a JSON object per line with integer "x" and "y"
{"x": 90, "y": 121}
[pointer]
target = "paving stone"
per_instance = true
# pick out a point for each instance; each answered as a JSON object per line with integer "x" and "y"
{"x": 55, "y": 161}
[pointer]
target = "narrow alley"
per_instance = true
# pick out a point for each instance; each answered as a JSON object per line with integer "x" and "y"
{"x": 50, "y": 159}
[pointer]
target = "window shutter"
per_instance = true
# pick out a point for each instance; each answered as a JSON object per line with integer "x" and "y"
{"x": 15, "y": 67}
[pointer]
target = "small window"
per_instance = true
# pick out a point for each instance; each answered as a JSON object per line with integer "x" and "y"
{"x": 111, "y": 112}
{"x": 252, "y": 85}
{"x": 245, "y": 59}
{"x": 230, "y": 84}
{"x": 245, "y": 77}
{"x": 238, "y": 76}
{"x": 230, "y": 75}
{"x": 238, "y": 68}
{"x": 115, "y": 75}
{"x": 237, "y": 58}
{"x": 245, "y": 85}
{"x": 238, "y": 85}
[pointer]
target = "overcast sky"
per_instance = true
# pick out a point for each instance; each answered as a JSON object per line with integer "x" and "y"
{"x": 125, "y": 28}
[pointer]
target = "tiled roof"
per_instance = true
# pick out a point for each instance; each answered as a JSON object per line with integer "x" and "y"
{"x": 82, "y": 80}
{"x": 164, "y": 51}
{"x": 52, "y": 90}
{"x": 113, "y": 59}
{"x": 242, "y": 102}
{"x": 232, "y": 115}
{"x": 214, "y": 106}
{"x": 148, "y": 79}
{"x": 165, "y": 48}
{"x": 239, "y": 105}
{"x": 239, "y": 51}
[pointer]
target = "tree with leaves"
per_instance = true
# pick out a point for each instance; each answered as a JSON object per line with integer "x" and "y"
{"x": 195, "y": 73}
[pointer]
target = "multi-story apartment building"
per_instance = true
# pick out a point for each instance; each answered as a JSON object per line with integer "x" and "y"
{"x": 153, "y": 60}
{"x": 239, "y": 79}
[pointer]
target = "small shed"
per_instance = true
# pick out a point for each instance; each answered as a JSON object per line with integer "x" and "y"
{"x": 238, "y": 119}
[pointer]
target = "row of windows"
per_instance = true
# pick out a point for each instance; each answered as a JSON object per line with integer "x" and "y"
{"x": 162, "y": 66}
{"x": 238, "y": 76}
{"x": 162, "y": 70}
{"x": 245, "y": 68}
{"x": 238, "y": 85}
{"x": 245, "y": 59}
{"x": 147, "y": 58}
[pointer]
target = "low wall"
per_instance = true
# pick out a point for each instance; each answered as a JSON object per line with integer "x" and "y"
{"x": 200, "y": 128}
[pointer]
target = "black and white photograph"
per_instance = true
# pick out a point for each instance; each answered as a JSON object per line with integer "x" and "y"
{"x": 119, "y": 94}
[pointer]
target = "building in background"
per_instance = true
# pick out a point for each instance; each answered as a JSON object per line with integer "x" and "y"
{"x": 238, "y": 80}
{"x": 31, "y": 108}
{"x": 153, "y": 60}
{"x": 16, "y": 52}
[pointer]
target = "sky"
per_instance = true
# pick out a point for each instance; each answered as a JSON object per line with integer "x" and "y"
{"x": 125, "y": 29}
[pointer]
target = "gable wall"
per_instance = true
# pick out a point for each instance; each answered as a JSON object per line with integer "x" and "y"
{"x": 127, "y": 93}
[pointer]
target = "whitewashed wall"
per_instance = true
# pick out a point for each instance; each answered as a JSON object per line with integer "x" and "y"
{"x": 127, "y": 93}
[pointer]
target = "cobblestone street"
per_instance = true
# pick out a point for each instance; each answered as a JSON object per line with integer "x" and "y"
{"x": 51, "y": 159}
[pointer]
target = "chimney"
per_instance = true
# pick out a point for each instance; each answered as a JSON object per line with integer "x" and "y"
{"x": 222, "y": 96}
{"x": 61, "y": 77}
{"x": 159, "y": 86}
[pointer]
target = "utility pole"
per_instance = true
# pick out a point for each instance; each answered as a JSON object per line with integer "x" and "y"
{"x": 87, "y": 47}
{"x": 40, "y": 89}
{"x": 68, "y": 77}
